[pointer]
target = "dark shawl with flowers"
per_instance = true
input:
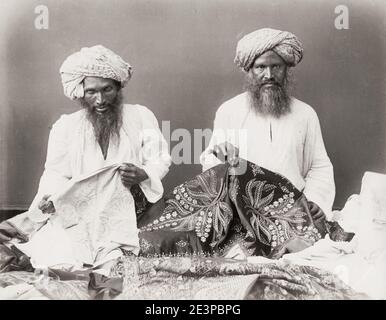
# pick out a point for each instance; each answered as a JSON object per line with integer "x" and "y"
{"x": 256, "y": 209}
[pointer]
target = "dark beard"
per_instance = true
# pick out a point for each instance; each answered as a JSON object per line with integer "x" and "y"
{"x": 274, "y": 100}
{"x": 108, "y": 124}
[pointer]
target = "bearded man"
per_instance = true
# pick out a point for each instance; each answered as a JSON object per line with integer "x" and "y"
{"x": 281, "y": 133}
{"x": 97, "y": 158}
{"x": 105, "y": 131}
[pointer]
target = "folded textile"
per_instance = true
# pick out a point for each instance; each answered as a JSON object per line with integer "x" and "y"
{"x": 209, "y": 278}
{"x": 102, "y": 287}
{"x": 95, "y": 214}
{"x": 12, "y": 259}
{"x": 257, "y": 209}
{"x": 323, "y": 250}
{"x": 8, "y": 231}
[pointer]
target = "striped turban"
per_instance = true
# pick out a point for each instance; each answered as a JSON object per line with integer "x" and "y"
{"x": 96, "y": 61}
{"x": 254, "y": 44}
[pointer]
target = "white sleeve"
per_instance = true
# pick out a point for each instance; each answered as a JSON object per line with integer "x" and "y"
{"x": 319, "y": 175}
{"x": 220, "y": 125}
{"x": 154, "y": 156}
{"x": 57, "y": 169}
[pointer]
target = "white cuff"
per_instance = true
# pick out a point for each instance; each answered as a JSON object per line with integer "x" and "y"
{"x": 152, "y": 187}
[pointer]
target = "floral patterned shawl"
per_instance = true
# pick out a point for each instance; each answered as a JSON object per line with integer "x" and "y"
{"x": 258, "y": 210}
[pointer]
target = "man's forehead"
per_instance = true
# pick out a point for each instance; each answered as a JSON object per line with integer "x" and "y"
{"x": 96, "y": 82}
{"x": 269, "y": 57}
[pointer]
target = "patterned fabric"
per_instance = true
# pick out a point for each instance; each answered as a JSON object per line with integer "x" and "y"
{"x": 28, "y": 285}
{"x": 96, "y": 61}
{"x": 260, "y": 211}
{"x": 254, "y": 44}
{"x": 95, "y": 214}
{"x": 199, "y": 277}
{"x": 181, "y": 278}
{"x": 59, "y": 285}
{"x": 184, "y": 236}
{"x": 140, "y": 200}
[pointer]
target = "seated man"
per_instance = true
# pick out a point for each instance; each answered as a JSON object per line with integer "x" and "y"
{"x": 284, "y": 186}
{"x": 105, "y": 133}
{"x": 269, "y": 127}
{"x": 260, "y": 211}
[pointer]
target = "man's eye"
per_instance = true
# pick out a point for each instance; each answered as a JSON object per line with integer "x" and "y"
{"x": 90, "y": 92}
{"x": 109, "y": 88}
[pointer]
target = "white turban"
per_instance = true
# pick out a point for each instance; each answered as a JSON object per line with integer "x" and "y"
{"x": 254, "y": 44}
{"x": 96, "y": 61}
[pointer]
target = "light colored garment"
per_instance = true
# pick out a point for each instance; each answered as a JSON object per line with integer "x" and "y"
{"x": 96, "y": 61}
{"x": 365, "y": 215}
{"x": 361, "y": 263}
{"x": 73, "y": 151}
{"x": 291, "y": 145}
{"x": 95, "y": 214}
{"x": 372, "y": 216}
{"x": 345, "y": 260}
{"x": 73, "y": 155}
{"x": 254, "y": 44}
{"x": 21, "y": 291}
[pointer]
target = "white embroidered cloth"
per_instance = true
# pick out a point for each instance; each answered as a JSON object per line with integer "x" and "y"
{"x": 95, "y": 214}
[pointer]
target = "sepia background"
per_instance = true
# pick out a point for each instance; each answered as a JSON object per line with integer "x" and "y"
{"x": 182, "y": 53}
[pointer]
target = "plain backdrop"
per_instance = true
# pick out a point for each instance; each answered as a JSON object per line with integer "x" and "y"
{"x": 182, "y": 53}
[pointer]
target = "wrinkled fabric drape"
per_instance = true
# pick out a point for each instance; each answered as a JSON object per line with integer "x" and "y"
{"x": 256, "y": 209}
{"x": 95, "y": 214}
{"x": 211, "y": 278}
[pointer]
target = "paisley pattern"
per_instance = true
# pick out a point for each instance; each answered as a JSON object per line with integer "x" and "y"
{"x": 197, "y": 205}
{"x": 186, "y": 278}
{"x": 185, "y": 236}
{"x": 208, "y": 278}
{"x": 259, "y": 210}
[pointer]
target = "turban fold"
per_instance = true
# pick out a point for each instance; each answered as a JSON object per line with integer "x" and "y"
{"x": 96, "y": 61}
{"x": 254, "y": 44}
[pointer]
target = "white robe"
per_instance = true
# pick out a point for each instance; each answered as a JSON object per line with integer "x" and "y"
{"x": 291, "y": 145}
{"x": 73, "y": 154}
{"x": 73, "y": 151}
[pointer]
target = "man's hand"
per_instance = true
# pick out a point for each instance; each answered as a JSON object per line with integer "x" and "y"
{"x": 46, "y": 206}
{"x": 227, "y": 152}
{"x": 316, "y": 212}
{"x": 131, "y": 174}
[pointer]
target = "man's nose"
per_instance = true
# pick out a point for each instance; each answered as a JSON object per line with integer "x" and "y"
{"x": 268, "y": 74}
{"x": 99, "y": 98}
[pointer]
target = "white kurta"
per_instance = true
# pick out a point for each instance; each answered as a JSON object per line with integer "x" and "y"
{"x": 73, "y": 151}
{"x": 291, "y": 145}
{"x": 72, "y": 155}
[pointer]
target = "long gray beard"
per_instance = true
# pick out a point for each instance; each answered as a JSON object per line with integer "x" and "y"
{"x": 107, "y": 125}
{"x": 273, "y": 101}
